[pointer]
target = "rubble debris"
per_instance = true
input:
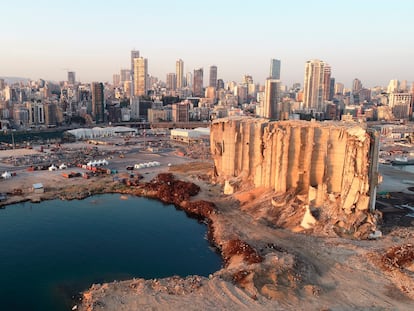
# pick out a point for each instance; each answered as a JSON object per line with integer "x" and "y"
{"x": 398, "y": 257}
{"x": 239, "y": 247}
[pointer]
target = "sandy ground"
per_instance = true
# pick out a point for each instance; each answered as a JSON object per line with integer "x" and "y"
{"x": 299, "y": 271}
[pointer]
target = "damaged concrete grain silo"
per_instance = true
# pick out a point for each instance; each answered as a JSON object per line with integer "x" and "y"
{"x": 328, "y": 167}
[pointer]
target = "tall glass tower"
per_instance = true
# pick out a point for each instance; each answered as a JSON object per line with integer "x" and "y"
{"x": 274, "y": 69}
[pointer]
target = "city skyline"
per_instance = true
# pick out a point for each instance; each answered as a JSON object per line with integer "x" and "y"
{"x": 358, "y": 39}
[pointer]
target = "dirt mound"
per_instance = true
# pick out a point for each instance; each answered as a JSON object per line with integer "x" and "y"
{"x": 237, "y": 247}
{"x": 169, "y": 190}
{"x": 199, "y": 208}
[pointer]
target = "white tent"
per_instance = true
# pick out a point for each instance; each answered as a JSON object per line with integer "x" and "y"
{"x": 6, "y": 175}
{"x": 86, "y": 133}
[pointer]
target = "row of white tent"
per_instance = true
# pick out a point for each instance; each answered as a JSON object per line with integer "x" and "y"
{"x": 54, "y": 168}
{"x": 147, "y": 164}
{"x": 97, "y": 163}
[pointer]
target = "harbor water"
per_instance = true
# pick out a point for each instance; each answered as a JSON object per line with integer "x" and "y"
{"x": 53, "y": 250}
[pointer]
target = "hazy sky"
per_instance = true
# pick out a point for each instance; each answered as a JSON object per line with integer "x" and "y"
{"x": 367, "y": 39}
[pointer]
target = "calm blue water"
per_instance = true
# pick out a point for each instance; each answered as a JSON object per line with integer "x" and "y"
{"x": 55, "y": 249}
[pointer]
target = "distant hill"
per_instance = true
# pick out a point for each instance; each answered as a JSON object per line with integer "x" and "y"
{"x": 12, "y": 80}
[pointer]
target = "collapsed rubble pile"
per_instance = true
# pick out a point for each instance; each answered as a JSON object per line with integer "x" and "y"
{"x": 399, "y": 257}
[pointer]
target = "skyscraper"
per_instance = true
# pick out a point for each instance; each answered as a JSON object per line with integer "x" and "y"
{"x": 326, "y": 82}
{"x": 313, "y": 85}
{"x": 393, "y": 86}
{"x": 220, "y": 84}
{"x": 171, "y": 81}
{"x": 331, "y": 88}
{"x": 125, "y": 75}
{"x": 274, "y": 69}
{"x": 134, "y": 55}
{"x": 97, "y": 90}
{"x": 339, "y": 88}
{"x": 213, "y": 76}
{"x": 272, "y": 98}
{"x": 189, "y": 80}
{"x": 116, "y": 79}
{"x": 356, "y": 86}
{"x": 179, "y": 72}
{"x": 71, "y": 77}
{"x": 140, "y": 76}
{"x": 198, "y": 82}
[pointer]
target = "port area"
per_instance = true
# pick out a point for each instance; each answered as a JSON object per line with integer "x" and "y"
{"x": 298, "y": 271}
{"x": 79, "y": 163}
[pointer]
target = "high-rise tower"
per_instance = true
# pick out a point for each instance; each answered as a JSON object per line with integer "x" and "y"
{"x": 356, "y": 86}
{"x": 179, "y": 72}
{"x": 97, "y": 90}
{"x": 134, "y": 55}
{"x": 71, "y": 77}
{"x": 326, "y": 82}
{"x": 171, "y": 81}
{"x": 272, "y": 98}
{"x": 198, "y": 82}
{"x": 213, "y": 76}
{"x": 313, "y": 85}
{"x": 393, "y": 86}
{"x": 274, "y": 69}
{"x": 125, "y": 75}
{"x": 189, "y": 80}
{"x": 140, "y": 76}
